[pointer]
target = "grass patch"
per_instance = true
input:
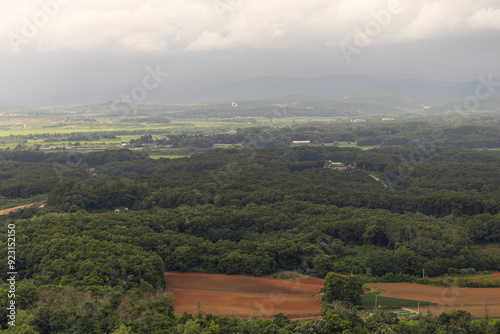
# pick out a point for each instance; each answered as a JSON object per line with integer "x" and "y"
{"x": 389, "y": 302}
{"x": 464, "y": 278}
{"x": 478, "y": 277}
{"x": 491, "y": 321}
{"x": 375, "y": 292}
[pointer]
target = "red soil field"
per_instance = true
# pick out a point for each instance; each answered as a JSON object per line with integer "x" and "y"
{"x": 245, "y": 296}
{"x": 497, "y": 276}
{"x": 477, "y": 301}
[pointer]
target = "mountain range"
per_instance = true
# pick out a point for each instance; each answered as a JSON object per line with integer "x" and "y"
{"x": 434, "y": 93}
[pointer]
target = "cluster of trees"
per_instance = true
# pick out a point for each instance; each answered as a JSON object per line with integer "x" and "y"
{"x": 90, "y": 136}
{"x": 24, "y": 180}
{"x": 342, "y": 288}
{"x": 51, "y": 309}
{"x": 73, "y": 159}
{"x": 413, "y": 134}
{"x": 26, "y": 174}
{"x": 77, "y": 136}
{"x": 73, "y": 136}
{"x": 436, "y": 182}
{"x": 256, "y": 240}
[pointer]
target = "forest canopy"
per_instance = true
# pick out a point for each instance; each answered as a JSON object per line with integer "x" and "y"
{"x": 115, "y": 221}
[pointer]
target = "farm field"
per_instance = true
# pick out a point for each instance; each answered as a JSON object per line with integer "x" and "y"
{"x": 477, "y": 301}
{"x": 245, "y": 296}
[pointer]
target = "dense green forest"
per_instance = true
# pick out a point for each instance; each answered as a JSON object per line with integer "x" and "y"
{"x": 115, "y": 221}
{"x": 237, "y": 205}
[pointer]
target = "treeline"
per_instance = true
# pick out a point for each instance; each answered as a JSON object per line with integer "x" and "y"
{"x": 92, "y": 159}
{"x": 466, "y": 136}
{"x": 465, "y": 133}
{"x": 65, "y": 309}
{"x": 27, "y": 174}
{"x": 73, "y": 136}
{"x": 256, "y": 240}
{"x": 415, "y": 134}
{"x": 24, "y": 180}
{"x": 438, "y": 182}
{"x": 79, "y": 136}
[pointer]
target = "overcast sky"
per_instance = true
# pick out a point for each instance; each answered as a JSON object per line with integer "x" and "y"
{"x": 52, "y": 46}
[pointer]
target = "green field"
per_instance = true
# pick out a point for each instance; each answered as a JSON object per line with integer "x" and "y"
{"x": 380, "y": 301}
{"x": 15, "y": 130}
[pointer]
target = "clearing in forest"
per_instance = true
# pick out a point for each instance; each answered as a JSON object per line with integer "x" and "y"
{"x": 245, "y": 296}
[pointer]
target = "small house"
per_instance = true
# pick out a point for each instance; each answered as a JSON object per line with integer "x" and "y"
{"x": 338, "y": 165}
{"x": 121, "y": 209}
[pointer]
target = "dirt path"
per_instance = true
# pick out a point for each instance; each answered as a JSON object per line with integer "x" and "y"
{"x": 39, "y": 204}
{"x": 376, "y": 178}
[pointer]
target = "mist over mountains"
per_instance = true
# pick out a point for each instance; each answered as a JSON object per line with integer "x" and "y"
{"x": 428, "y": 92}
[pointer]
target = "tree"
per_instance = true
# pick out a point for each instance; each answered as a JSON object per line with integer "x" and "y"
{"x": 343, "y": 288}
{"x": 122, "y": 330}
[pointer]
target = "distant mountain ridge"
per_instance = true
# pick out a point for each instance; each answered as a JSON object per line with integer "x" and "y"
{"x": 332, "y": 85}
{"x": 263, "y": 88}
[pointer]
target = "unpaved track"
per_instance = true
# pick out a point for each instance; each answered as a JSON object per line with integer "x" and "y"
{"x": 39, "y": 204}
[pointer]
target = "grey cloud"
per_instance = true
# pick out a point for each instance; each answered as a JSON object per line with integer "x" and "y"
{"x": 102, "y": 44}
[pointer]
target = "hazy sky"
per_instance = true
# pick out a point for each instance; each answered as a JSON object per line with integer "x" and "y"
{"x": 52, "y": 46}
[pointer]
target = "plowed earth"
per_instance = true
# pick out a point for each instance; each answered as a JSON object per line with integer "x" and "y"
{"x": 245, "y": 296}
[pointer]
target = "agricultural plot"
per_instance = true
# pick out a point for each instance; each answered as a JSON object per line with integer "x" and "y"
{"x": 393, "y": 303}
{"x": 245, "y": 296}
{"x": 477, "y": 301}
